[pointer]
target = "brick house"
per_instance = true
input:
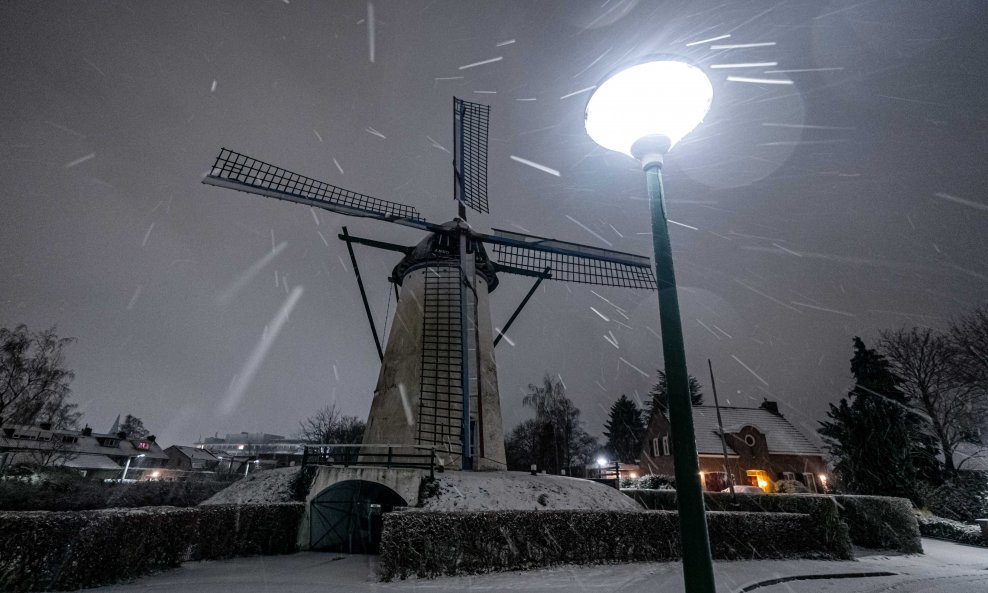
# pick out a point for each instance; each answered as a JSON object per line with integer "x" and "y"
{"x": 762, "y": 448}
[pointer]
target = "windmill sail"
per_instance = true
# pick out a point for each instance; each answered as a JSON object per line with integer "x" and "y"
{"x": 570, "y": 262}
{"x": 237, "y": 171}
{"x": 470, "y": 153}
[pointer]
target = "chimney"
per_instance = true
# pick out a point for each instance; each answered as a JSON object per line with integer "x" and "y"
{"x": 121, "y": 435}
{"x": 45, "y": 426}
{"x": 771, "y": 407}
{"x": 152, "y": 438}
{"x": 86, "y": 432}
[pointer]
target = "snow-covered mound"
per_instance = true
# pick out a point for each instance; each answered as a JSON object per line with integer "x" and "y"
{"x": 498, "y": 491}
{"x": 274, "y": 485}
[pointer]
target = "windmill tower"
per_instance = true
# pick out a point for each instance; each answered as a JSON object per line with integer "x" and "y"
{"x": 438, "y": 381}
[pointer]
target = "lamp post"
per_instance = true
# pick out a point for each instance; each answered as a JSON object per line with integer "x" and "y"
{"x": 127, "y": 466}
{"x": 642, "y": 111}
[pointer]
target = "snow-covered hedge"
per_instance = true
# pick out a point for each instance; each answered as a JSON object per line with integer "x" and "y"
{"x": 428, "y": 544}
{"x": 878, "y": 522}
{"x": 955, "y": 531}
{"x": 41, "y": 550}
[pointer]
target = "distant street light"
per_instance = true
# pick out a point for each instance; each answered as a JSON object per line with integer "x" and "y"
{"x": 643, "y": 111}
{"x": 127, "y": 466}
{"x": 247, "y": 466}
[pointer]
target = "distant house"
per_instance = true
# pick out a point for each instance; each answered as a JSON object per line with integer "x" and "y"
{"x": 762, "y": 448}
{"x": 237, "y": 449}
{"x": 191, "y": 459}
{"x": 94, "y": 455}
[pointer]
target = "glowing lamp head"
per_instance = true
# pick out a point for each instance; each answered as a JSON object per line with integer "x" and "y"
{"x": 601, "y": 461}
{"x": 664, "y": 98}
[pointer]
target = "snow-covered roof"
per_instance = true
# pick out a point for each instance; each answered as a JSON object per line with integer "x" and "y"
{"x": 781, "y": 436}
{"x": 971, "y": 457}
{"x": 196, "y": 453}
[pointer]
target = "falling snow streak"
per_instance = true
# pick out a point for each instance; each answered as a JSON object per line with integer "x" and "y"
{"x": 505, "y": 337}
{"x": 748, "y": 368}
{"x": 231, "y": 290}
{"x": 589, "y": 230}
{"x": 527, "y": 99}
{"x": 135, "y": 296}
{"x": 147, "y": 235}
{"x": 95, "y": 67}
{"x": 743, "y": 45}
{"x": 437, "y": 145}
{"x": 712, "y": 332}
{"x": 806, "y": 126}
{"x": 449, "y": 78}
{"x": 246, "y": 375}
{"x": 371, "y": 130}
{"x": 323, "y": 237}
{"x": 759, "y": 80}
{"x": 80, "y": 160}
{"x": 579, "y": 92}
{"x": 370, "y": 31}
{"x": 317, "y": 135}
{"x": 338, "y": 167}
{"x": 481, "y": 63}
{"x": 789, "y": 251}
{"x": 641, "y": 372}
{"x": 534, "y": 165}
{"x": 957, "y": 200}
{"x": 745, "y": 65}
{"x": 599, "y": 314}
{"x": 722, "y": 331}
{"x": 682, "y": 225}
{"x": 485, "y": 92}
{"x": 711, "y": 40}
{"x": 794, "y": 70}
{"x": 212, "y": 87}
{"x": 611, "y": 340}
{"x": 591, "y": 64}
{"x": 405, "y": 405}
{"x": 312, "y": 210}
{"x": 824, "y": 309}
{"x": 771, "y": 298}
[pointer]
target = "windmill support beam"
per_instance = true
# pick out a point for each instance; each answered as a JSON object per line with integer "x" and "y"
{"x": 372, "y": 243}
{"x": 500, "y": 333}
{"x": 363, "y": 294}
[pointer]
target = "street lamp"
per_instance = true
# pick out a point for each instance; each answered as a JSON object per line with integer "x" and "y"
{"x": 127, "y": 466}
{"x": 643, "y": 111}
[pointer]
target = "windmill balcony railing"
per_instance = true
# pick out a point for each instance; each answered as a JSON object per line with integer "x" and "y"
{"x": 388, "y": 456}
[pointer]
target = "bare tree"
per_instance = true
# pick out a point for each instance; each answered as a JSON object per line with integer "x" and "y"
{"x": 134, "y": 427}
{"x": 936, "y": 385}
{"x": 970, "y": 338}
{"x": 562, "y": 441}
{"x": 329, "y": 426}
{"x": 34, "y": 385}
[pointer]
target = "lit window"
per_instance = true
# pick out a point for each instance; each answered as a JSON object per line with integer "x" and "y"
{"x": 665, "y": 445}
{"x": 810, "y": 482}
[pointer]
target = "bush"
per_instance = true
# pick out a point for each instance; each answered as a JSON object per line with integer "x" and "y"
{"x": 955, "y": 531}
{"x": 650, "y": 482}
{"x": 72, "y": 493}
{"x": 69, "y": 550}
{"x": 791, "y": 487}
{"x": 877, "y": 522}
{"x": 963, "y": 498}
{"x": 428, "y": 543}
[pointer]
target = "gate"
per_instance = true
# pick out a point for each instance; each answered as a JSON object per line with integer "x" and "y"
{"x": 347, "y": 516}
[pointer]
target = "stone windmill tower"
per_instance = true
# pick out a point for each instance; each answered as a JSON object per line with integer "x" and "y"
{"x": 438, "y": 380}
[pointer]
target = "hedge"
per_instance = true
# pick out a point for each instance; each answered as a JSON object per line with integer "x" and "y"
{"x": 876, "y": 522}
{"x": 430, "y": 543}
{"x": 948, "y": 529}
{"x": 77, "y": 494}
{"x": 70, "y": 550}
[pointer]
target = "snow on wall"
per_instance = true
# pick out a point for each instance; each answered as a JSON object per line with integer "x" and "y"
{"x": 497, "y": 491}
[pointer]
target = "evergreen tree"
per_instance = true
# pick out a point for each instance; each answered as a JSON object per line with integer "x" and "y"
{"x": 134, "y": 427}
{"x": 874, "y": 438}
{"x": 659, "y": 394}
{"x": 624, "y": 430}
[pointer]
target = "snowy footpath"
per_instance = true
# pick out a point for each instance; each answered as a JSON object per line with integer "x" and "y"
{"x": 946, "y": 567}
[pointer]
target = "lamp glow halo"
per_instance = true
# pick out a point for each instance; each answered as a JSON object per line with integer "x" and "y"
{"x": 660, "y": 97}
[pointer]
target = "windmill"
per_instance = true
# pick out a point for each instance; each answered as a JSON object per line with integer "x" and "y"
{"x": 438, "y": 383}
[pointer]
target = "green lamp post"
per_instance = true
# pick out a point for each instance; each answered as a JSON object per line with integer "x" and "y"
{"x": 643, "y": 111}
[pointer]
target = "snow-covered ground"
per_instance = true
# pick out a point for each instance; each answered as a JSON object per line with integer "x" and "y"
{"x": 494, "y": 491}
{"x": 273, "y": 485}
{"x": 946, "y": 567}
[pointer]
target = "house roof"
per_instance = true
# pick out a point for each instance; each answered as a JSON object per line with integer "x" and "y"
{"x": 780, "y": 435}
{"x": 971, "y": 457}
{"x": 195, "y": 453}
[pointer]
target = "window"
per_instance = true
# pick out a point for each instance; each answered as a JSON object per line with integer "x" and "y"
{"x": 69, "y": 439}
{"x": 142, "y": 445}
{"x": 665, "y": 445}
{"x": 810, "y": 482}
{"x": 749, "y": 440}
{"x": 656, "y": 452}
{"x": 788, "y": 476}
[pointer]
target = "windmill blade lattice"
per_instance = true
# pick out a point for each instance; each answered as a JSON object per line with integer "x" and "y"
{"x": 470, "y": 122}
{"x": 238, "y": 171}
{"x": 570, "y": 262}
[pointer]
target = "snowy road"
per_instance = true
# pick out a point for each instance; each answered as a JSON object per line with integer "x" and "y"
{"x": 945, "y": 567}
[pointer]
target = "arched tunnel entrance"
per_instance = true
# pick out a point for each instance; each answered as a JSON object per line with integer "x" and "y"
{"x": 346, "y": 517}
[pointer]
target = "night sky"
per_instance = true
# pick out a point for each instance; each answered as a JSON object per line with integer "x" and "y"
{"x": 846, "y": 202}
